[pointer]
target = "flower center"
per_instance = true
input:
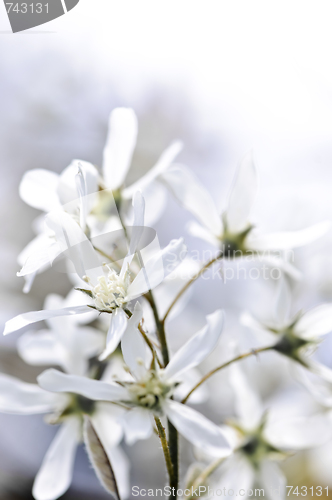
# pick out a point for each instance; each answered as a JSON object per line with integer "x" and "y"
{"x": 150, "y": 392}
{"x": 110, "y": 292}
{"x": 77, "y": 405}
{"x": 257, "y": 449}
{"x": 291, "y": 345}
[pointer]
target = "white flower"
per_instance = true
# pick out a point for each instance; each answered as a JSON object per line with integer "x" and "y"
{"x": 110, "y": 292}
{"x": 55, "y": 474}
{"x": 259, "y": 439}
{"x": 119, "y": 148}
{"x": 233, "y": 233}
{"x": 150, "y": 391}
{"x": 296, "y": 337}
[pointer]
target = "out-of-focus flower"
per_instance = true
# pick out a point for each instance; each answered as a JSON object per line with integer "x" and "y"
{"x": 151, "y": 389}
{"x": 68, "y": 410}
{"x": 296, "y": 337}
{"x": 260, "y": 438}
{"x": 110, "y": 292}
{"x": 232, "y": 233}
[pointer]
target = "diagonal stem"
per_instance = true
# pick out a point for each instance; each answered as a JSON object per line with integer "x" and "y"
{"x": 187, "y": 285}
{"x": 164, "y": 444}
{"x": 224, "y": 365}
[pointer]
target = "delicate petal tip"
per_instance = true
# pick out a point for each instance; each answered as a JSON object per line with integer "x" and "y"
{"x": 288, "y": 239}
{"x": 116, "y": 330}
{"x": 193, "y": 196}
{"x": 199, "y": 430}
{"x": 315, "y": 323}
{"x": 198, "y": 347}
{"x": 242, "y": 195}
{"x": 165, "y": 160}
{"x": 120, "y": 145}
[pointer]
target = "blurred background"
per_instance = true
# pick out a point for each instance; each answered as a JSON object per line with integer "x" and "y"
{"x": 222, "y": 77}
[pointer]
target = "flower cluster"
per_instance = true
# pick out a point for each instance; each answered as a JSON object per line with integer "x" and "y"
{"x": 111, "y": 373}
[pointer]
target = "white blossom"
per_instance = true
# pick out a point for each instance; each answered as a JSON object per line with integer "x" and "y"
{"x": 296, "y": 337}
{"x": 66, "y": 410}
{"x": 233, "y": 233}
{"x": 150, "y": 391}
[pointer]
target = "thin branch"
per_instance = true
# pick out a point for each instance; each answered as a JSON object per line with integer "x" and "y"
{"x": 104, "y": 254}
{"x": 187, "y": 285}
{"x": 164, "y": 444}
{"x": 224, "y": 365}
{"x": 160, "y": 327}
{"x": 205, "y": 474}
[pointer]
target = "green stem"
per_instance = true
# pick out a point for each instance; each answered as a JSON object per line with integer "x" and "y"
{"x": 224, "y": 365}
{"x": 164, "y": 444}
{"x": 160, "y": 327}
{"x": 174, "y": 454}
{"x": 187, "y": 285}
{"x": 108, "y": 257}
{"x": 146, "y": 338}
{"x": 172, "y": 432}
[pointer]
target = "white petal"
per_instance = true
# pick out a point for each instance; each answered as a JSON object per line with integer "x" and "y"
{"x": 317, "y": 386}
{"x": 165, "y": 160}
{"x": 281, "y": 264}
{"x": 91, "y": 341}
{"x": 272, "y": 479}
{"x": 55, "y": 381}
{"x": 199, "y": 231}
{"x": 298, "y": 433}
{"x": 67, "y": 189}
{"x": 75, "y": 245}
{"x": 155, "y": 195}
{"x": 166, "y": 292}
{"x": 107, "y": 426}
{"x": 157, "y": 268}
{"x": 200, "y": 431}
{"x": 56, "y": 472}
{"x": 321, "y": 370}
{"x": 38, "y": 255}
{"x": 284, "y": 302}
{"x": 76, "y": 298}
{"x": 133, "y": 346}
{"x": 40, "y": 348}
{"x": 248, "y": 406}
{"x": 238, "y": 476}
{"x": 116, "y": 330}
{"x": 198, "y": 347}
{"x": 120, "y": 145}
{"x": 136, "y": 231}
{"x": 121, "y": 467}
{"x": 242, "y": 196}
{"x": 315, "y": 323}
{"x": 246, "y": 319}
{"x": 137, "y": 425}
{"x": 28, "y": 318}
{"x": 38, "y": 189}
{"x": 193, "y": 196}
{"x": 28, "y": 282}
{"x": 22, "y": 398}
{"x": 287, "y": 240}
